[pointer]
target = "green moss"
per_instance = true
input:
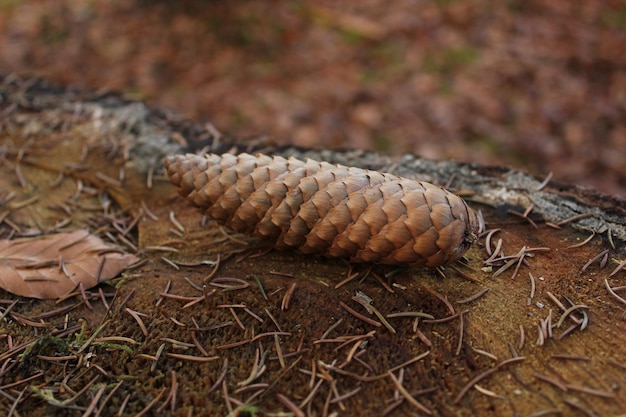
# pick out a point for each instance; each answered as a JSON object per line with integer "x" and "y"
{"x": 114, "y": 346}
{"x": 351, "y": 37}
{"x": 444, "y": 3}
{"x": 46, "y": 345}
{"x": 80, "y": 337}
{"x": 369, "y": 76}
{"x": 52, "y": 34}
{"x": 246, "y": 28}
{"x": 126, "y": 377}
{"x": 383, "y": 144}
{"x": 246, "y": 410}
{"x": 615, "y": 19}
{"x": 9, "y": 5}
{"x": 238, "y": 119}
{"x": 47, "y": 395}
{"x": 486, "y": 143}
{"x": 451, "y": 60}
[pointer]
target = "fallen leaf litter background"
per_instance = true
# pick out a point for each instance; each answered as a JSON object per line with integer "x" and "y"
{"x": 213, "y": 323}
{"x": 531, "y": 84}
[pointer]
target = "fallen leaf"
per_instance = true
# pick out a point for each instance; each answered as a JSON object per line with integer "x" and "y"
{"x": 52, "y": 265}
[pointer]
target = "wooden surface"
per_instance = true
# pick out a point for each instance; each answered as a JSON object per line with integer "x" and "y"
{"x": 472, "y": 359}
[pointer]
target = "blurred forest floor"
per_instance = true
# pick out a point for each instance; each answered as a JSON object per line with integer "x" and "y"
{"x": 531, "y": 84}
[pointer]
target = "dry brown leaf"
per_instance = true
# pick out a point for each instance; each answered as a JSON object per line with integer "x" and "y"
{"x": 53, "y": 265}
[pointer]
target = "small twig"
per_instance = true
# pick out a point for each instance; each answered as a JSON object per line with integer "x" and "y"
{"x": 287, "y": 298}
{"x": 613, "y": 293}
{"x": 483, "y": 375}
{"x": 359, "y": 315}
{"x": 408, "y": 396}
{"x": 473, "y": 297}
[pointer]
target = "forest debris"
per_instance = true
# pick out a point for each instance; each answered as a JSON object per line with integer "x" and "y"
{"x": 350, "y": 23}
{"x": 53, "y": 265}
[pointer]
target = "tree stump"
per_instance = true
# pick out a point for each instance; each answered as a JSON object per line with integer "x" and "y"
{"x": 531, "y": 322}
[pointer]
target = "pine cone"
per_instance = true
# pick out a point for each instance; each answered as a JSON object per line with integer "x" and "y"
{"x": 337, "y": 211}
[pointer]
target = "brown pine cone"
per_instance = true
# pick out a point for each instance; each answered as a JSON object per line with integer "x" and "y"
{"x": 337, "y": 211}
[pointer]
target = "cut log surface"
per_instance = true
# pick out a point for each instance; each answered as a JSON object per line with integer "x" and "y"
{"x": 530, "y": 321}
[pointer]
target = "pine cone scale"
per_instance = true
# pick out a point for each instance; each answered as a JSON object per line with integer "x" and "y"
{"x": 333, "y": 210}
